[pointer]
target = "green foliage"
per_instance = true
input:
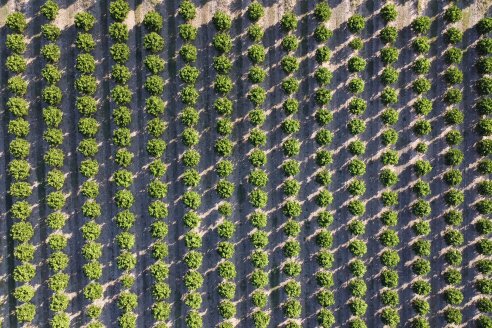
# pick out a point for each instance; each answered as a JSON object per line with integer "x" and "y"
{"x": 322, "y": 12}
{"x": 25, "y": 312}
{"x": 255, "y": 32}
{"x": 484, "y": 25}
{"x": 16, "y": 43}
{"x": 23, "y": 272}
{"x": 322, "y": 54}
{"x": 51, "y": 52}
{"x": 255, "y": 11}
{"x": 118, "y": 32}
{"x": 289, "y": 21}
{"x": 292, "y": 208}
{"x": 222, "y": 42}
{"x": 421, "y": 44}
{"x": 389, "y": 55}
{"x": 85, "y": 42}
{"x": 453, "y": 14}
{"x": 16, "y": 21}
{"x": 222, "y": 21}
{"x": 16, "y": 63}
{"x": 153, "y": 21}
{"x": 389, "y": 75}
{"x": 421, "y": 24}
{"x": 356, "y": 64}
{"x": 322, "y": 33}
{"x": 453, "y": 35}
{"x": 120, "y": 52}
{"x": 356, "y": 23}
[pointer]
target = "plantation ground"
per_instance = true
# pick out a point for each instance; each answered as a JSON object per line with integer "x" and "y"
{"x": 408, "y": 10}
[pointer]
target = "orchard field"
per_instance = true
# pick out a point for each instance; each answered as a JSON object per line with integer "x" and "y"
{"x": 237, "y": 163}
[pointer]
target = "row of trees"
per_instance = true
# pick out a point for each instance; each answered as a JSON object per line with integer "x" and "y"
{"x": 324, "y": 239}
{"x": 292, "y": 209}
{"x": 157, "y": 188}
{"x": 454, "y": 196}
{"x": 223, "y": 85}
{"x": 88, "y": 128}
{"x": 58, "y": 260}
{"x": 389, "y": 159}
{"x": 121, "y": 96}
{"x": 483, "y": 223}
{"x": 258, "y": 177}
{"x": 19, "y": 169}
{"x": 356, "y": 186}
{"x": 190, "y": 117}
{"x": 421, "y": 208}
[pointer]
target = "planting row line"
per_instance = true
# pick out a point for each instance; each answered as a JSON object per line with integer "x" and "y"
{"x": 483, "y": 224}
{"x": 357, "y": 168}
{"x": 325, "y": 297}
{"x": 454, "y": 197}
{"x": 193, "y": 279}
{"x": 224, "y": 168}
{"x": 258, "y": 177}
{"x": 55, "y": 177}
{"x": 390, "y": 158}
{"x": 291, "y": 147}
{"x": 157, "y": 188}
{"x": 88, "y": 128}
{"x": 122, "y": 179}
{"x": 19, "y": 169}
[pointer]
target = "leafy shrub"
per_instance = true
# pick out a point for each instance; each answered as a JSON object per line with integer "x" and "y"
{"x": 389, "y": 75}
{"x": 16, "y": 21}
{"x": 292, "y": 209}
{"x": 356, "y": 85}
{"x": 356, "y": 64}
{"x": 388, "y": 34}
{"x": 356, "y": 23}
{"x": 118, "y": 32}
{"x": 388, "y": 177}
{"x": 153, "y": 42}
{"x": 389, "y": 13}
{"x": 16, "y": 43}
{"x": 255, "y": 11}
{"x": 153, "y": 21}
{"x": 453, "y": 14}
{"x": 389, "y": 96}
{"x": 85, "y": 84}
{"x": 255, "y": 32}
{"x": 322, "y": 96}
{"x": 421, "y": 24}
{"x": 322, "y": 12}
{"x": 484, "y": 25}
{"x": 120, "y": 73}
{"x": 453, "y": 157}
{"x": 322, "y": 33}
{"x": 187, "y": 10}
{"x": 16, "y": 63}
{"x": 454, "y": 137}
{"x": 389, "y": 55}
{"x": 421, "y": 85}
{"x": 453, "y": 96}
{"x": 421, "y": 208}
{"x": 120, "y": 52}
{"x": 51, "y": 52}
{"x": 422, "y": 127}
{"x": 222, "y": 42}
{"x": 421, "y": 45}
{"x": 421, "y": 228}
{"x": 453, "y": 35}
